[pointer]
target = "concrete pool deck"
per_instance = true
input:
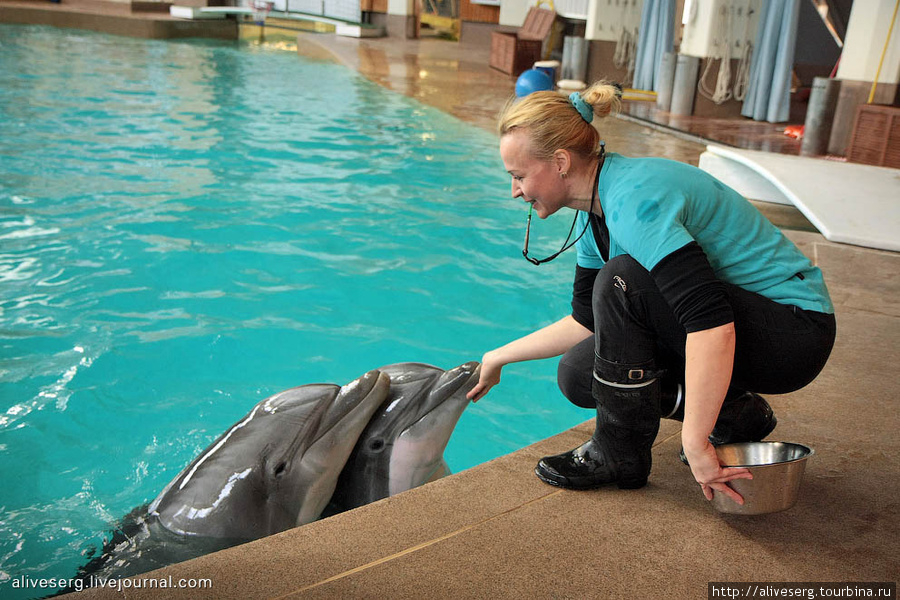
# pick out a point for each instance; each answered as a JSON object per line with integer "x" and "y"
{"x": 495, "y": 531}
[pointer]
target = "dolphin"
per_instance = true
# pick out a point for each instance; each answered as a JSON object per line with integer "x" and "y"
{"x": 403, "y": 445}
{"x": 274, "y": 469}
{"x": 277, "y": 467}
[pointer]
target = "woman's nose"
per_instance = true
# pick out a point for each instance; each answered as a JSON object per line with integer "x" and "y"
{"x": 516, "y": 190}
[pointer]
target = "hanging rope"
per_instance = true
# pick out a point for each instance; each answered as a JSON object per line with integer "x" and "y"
{"x": 626, "y": 47}
{"x": 632, "y": 56}
{"x": 722, "y": 52}
{"x": 622, "y": 54}
{"x": 742, "y": 77}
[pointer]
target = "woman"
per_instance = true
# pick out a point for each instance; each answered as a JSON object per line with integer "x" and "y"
{"x": 686, "y": 300}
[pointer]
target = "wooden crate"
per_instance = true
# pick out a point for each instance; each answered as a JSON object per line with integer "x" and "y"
{"x": 876, "y": 136}
{"x": 514, "y": 51}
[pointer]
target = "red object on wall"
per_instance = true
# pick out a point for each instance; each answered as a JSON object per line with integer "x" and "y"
{"x": 794, "y": 131}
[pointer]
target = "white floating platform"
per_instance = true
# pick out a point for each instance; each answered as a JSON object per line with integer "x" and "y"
{"x": 195, "y": 13}
{"x": 359, "y": 31}
{"x": 343, "y": 28}
{"x": 847, "y": 202}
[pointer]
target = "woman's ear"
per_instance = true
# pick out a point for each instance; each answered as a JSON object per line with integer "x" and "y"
{"x": 563, "y": 160}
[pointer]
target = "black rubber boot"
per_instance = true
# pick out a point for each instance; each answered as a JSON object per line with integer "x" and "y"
{"x": 744, "y": 417}
{"x": 671, "y": 399}
{"x": 627, "y": 423}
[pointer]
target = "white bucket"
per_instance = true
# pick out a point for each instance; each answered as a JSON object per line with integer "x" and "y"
{"x": 550, "y": 67}
{"x": 567, "y": 86}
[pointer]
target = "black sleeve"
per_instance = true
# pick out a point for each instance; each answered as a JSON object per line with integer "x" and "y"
{"x": 690, "y": 286}
{"x": 582, "y": 295}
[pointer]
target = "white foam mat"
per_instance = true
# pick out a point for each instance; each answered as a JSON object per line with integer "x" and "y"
{"x": 847, "y": 202}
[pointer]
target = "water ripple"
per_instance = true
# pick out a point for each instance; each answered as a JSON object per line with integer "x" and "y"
{"x": 188, "y": 227}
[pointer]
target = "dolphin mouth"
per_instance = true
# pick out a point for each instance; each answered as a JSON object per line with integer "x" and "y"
{"x": 452, "y": 405}
{"x": 456, "y": 399}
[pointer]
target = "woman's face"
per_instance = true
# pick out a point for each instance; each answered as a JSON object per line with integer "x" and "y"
{"x": 536, "y": 181}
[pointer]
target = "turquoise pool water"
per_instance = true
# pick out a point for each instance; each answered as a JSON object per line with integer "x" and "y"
{"x": 188, "y": 227}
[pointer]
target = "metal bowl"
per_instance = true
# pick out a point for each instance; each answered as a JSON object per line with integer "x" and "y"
{"x": 777, "y": 469}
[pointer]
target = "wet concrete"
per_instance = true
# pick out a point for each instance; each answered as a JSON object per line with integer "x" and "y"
{"x": 457, "y": 79}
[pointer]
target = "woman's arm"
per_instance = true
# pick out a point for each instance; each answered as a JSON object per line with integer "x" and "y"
{"x": 552, "y": 340}
{"x": 709, "y": 360}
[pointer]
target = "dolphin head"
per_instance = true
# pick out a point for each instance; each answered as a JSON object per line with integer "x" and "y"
{"x": 275, "y": 468}
{"x": 403, "y": 445}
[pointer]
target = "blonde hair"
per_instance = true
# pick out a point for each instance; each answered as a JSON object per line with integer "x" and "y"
{"x": 553, "y": 123}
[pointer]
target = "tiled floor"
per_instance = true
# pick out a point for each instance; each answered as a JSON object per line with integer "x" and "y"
{"x": 495, "y": 531}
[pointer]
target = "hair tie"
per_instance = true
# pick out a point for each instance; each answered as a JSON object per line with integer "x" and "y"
{"x": 584, "y": 109}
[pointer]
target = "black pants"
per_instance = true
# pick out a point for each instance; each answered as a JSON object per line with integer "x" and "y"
{"x": 778, "y": 348}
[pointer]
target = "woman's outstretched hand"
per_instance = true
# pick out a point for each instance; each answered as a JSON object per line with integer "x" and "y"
{"x": 552, "y": 340}
{"x": 490, "y": 376}
{"x": 713, "y": 476}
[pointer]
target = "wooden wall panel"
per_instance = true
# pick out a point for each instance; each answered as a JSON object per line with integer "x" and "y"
{"x": 378, "y": 6}
{"x": 478, "y": 13}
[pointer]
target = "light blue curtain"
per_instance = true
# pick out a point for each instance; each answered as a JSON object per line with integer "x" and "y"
{"x": 655, "y": 38}
{"x": 769, "y": 91}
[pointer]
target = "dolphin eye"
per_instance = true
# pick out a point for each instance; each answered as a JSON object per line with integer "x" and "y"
{"x": 376, "y": 445}
{"x": 280, "y": 468}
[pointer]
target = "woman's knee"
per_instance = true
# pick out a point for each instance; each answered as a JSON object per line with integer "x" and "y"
{"x": 618, "y": 276}
{"x": 573, "y": 374}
